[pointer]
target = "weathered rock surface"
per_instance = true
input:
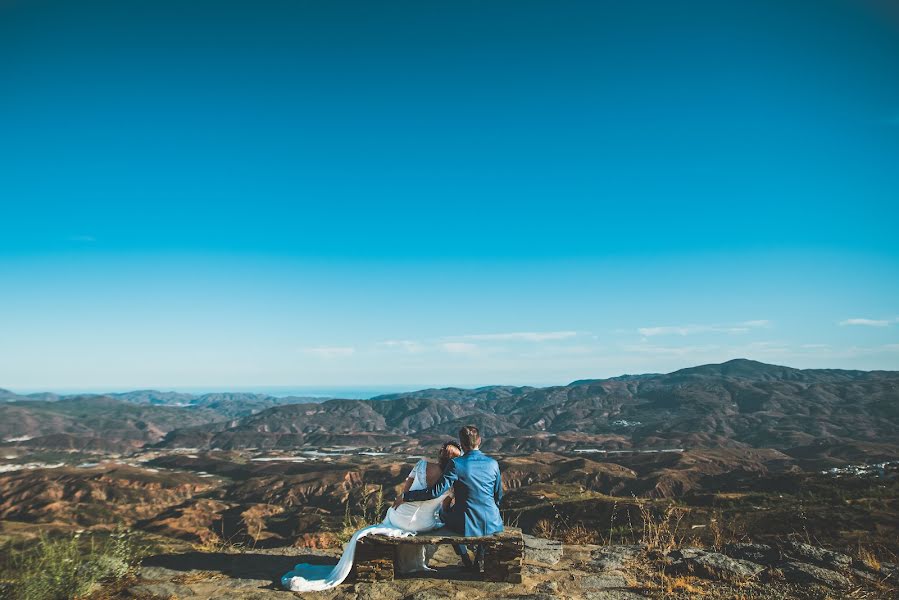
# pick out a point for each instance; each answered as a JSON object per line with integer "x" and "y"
{"x": 163, "y": 590}
{"x": 615, "y": 558}
{"x": 804, "y": 573}
{"x": 681, "y": 554}
{"x": 762, "y": 554}
{"x": 373, "y": 591}
{"x": 613, "y": 595}
{"x": 542, "y": 551}
{"x": 579, "y": 573}
{"x": 718, "y": 566}
{"x": 426, "y": 595}
{"x": 611, "y": 579}
{"x": 815, "y": 555}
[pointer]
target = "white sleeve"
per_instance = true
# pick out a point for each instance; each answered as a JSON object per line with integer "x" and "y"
{"x": 418, "y": 467}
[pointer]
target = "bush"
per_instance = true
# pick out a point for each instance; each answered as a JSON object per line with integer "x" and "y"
{"x": 661, "y": 529}
{"x": 68, "y": 567}
{"x": 372, "y": 508}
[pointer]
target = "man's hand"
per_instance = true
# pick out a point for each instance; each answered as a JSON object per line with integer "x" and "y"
{"x": 399, "y": 500}
{"x": 447, "y": 502}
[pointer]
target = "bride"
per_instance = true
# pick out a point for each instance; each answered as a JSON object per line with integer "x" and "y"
{"x": 403, "y": 519}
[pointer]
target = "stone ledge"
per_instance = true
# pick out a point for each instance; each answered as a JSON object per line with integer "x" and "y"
{"x": 445, "y": 536}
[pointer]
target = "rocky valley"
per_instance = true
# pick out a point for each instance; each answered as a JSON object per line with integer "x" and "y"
{"x": 714, "y": 457}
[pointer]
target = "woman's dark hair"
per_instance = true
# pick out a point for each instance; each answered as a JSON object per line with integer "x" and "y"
{"x": 470, "y": 437}
{"x": 444, "y": 454}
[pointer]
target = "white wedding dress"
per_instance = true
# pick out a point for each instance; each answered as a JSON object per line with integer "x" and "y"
{"x": 408, "y": 519}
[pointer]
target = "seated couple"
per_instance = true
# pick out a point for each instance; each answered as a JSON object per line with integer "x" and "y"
{"x": 462, "y": 469}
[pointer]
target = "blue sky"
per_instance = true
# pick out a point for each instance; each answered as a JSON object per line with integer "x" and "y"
{"x": 229, "y": 194}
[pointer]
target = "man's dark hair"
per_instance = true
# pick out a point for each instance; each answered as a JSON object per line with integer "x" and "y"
{"x": 470, "y": 437}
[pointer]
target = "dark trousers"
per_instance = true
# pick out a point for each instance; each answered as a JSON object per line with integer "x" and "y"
{"x": 478, "y": 551}
{"x": 455, "y": 521}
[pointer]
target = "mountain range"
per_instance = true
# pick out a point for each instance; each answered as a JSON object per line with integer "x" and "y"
{"x": 739, "y": 403}
{"x": 120, "y": 421}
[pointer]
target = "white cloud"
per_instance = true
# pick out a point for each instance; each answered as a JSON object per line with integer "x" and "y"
{"x": 868, "y": 322}
{"x": 523, "y": 336}
{"x": 757, "y": 323}
{"x": 410, "y": 346}
{"x": 328, "y": 352}
{"x": 671, "y": 330}
{"x": 670, "y": 350}
{"x": 459, "y": 347}
{"x": 683, "y": 330}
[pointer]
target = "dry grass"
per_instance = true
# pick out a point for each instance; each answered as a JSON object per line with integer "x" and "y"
{"x": 198, "y": 576}
{"x": 682, "y": 584}
{"x": 218, "y": 543}
{"x": 576, "y": 534}
{"x": 544, "y": 529}
{"x": 372, "y": 508}
{"x": 650, "y": 578}
{"x": 868, "y": 558}
{"x": 661, "y": 529}
{"x": 719, "y": 538}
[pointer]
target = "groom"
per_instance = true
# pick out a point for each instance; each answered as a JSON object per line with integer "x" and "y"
{"x": 477, "y": 487}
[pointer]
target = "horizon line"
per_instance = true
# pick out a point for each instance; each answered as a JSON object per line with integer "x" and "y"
{"x": 379, "y": 389}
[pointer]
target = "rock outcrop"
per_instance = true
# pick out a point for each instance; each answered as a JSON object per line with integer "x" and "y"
{"x": 629, "y": 572}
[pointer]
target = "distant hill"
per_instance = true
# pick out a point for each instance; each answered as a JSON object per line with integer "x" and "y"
{"x": 490, "y": 392}
{"x": 737, "y": 403}
{"x": 9, "y": 396}
{"x": 226, "y": 404}
{"x": 92, "y": 423}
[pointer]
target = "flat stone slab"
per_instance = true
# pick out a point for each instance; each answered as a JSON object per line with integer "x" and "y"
{"x": 613, "y": 595}
{"x": 605, "y": 581}
{"x": 160, "y": 573}
{"x": 429, "y": 595}
{"x": 160, "y": 590}
{"x": 541, "y": 550}
{"x": 445, "y": 536}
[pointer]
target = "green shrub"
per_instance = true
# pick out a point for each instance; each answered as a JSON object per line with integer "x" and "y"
{"x": 372, "y": 508}
{"x": 67, "y": 567}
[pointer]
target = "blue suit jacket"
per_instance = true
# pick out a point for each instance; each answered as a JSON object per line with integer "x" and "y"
{"x": 478, "y": 488}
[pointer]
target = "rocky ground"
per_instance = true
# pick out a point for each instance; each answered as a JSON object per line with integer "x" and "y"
{"x": 615, "y": 572}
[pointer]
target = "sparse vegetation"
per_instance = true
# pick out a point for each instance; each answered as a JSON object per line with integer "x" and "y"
{"x": 69, "y": 567}
{"x": 219, "y": 542}
{"x": 371, "y": 510}
{"x": 661, "y": 528}
{"x": 681, "y": 584}
{"x": 869, "y": 559}
{"x": 544, "y": 528}
{"x": 573, "y": 535}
